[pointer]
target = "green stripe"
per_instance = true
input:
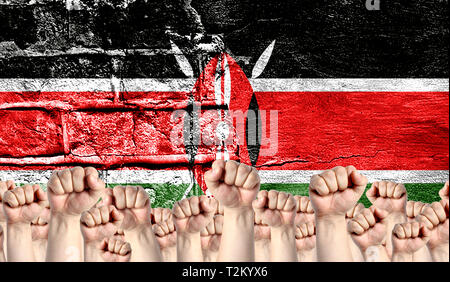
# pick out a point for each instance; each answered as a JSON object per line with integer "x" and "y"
{"x": 165, "y": 195}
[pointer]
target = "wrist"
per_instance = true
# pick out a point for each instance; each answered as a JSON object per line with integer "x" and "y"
{"x": 330, "y": 218}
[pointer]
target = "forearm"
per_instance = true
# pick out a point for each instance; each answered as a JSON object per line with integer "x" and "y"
{"x": 169, "y": 254}
{"x": 357, "y": 253}
{"x": 332, "y": 239}
{"x": 20, "y": 245}
{"x": 392, "y": 220}
{"x": 189, "y": 247}
{"x": 144, "y": 246}
{"x": 262, "y": 250}
{"x": 2, "y": 256}
{"x": 65, "y": 242}
{"x": 423, "y": 255}
{"x": 306, "y": 255}
{"x": 209, "y": 256}
{"x": 237, "y": 243}
{"x": 40, "y": 249}
{"x": 3, "y": 246}
{"x": 401, "y": 257}
{"x": 376, "y": 253}
{"x": 440, "y": 253}
{"x": 282, "y": 244}
{"x": 92, "y": 252}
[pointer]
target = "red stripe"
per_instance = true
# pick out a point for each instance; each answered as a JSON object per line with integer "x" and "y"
{"x": 373, "y": 131}
{"x": 386, "y": 131}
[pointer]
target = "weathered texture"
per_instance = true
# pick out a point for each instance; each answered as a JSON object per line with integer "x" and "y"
{"x": 30, "y": 133}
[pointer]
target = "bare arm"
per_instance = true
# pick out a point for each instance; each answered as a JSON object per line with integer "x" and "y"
{"x": 235, "y": 186}
{"x": 237, "y": 238}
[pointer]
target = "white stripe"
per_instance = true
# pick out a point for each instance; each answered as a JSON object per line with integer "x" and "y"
{"x": 267, "y": 176}
{"x": 259, "y": 85}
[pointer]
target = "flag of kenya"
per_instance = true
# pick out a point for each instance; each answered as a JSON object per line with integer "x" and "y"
{"x": 309, "y": 94}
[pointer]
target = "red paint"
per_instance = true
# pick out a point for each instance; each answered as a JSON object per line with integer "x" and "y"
{"x": 386, "y": 131}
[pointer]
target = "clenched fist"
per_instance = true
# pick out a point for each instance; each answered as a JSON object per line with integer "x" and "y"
{"x": 99, "y": 223}
{"x": 114, "y": 250}
{"x": 413, "y": 209}
{"x": 435, "y": 218}
{"x": 408, "y": 238}
{"x": 368, "y": 228}
{"x": 275, "y": 208}
{"x": 24, "y": 204}
{"x": 72, "y": 191}
{"x": 305, "y": 236}
{"x": 160, "y": 215}
{"x": 443, "y": 193}
{"x": 211, "y": 234}
{"x": 335, "y": 191}
{"x": 388, "y": 195}
{"x": 40, "y": 226}
{"x": 134, "y": 204}
{"x": 193, "y": 214}
{"x": 233, "y": 184}
{"x": 305, "y": 211}
{"x": 165, "y": 232}
{"x": 4, "y": 186}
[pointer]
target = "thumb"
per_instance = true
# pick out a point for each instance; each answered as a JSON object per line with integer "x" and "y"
{"x": 95, "y": 183}
{"x": 379, "y": 214}
{"x": 213, "y": 176}
{"x": 358, "y": 180}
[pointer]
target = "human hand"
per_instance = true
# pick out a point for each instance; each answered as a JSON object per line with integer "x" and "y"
{"x": 99, "y": 223}
{"x": 193, "y": 214}
{"x": 134, "y": 204}
{"x": 305, "y": 211}
{"x": 114, "y": 250}
{"x": 73, "y": 191}
{"x": 305, "y": 236}
{"x": 4, "y": 186}
{"x": 388, "y": 195}
{"x": 408, "y": 238}
{"x": 234, "y": 185}
{"x": 368, "y": 228}
{"x": 24, "y": 204}
{"x": 275, "y": 208}
{"x": 336, "y": 191}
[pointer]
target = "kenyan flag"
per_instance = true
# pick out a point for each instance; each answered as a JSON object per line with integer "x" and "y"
{"x": 152, "y": 93}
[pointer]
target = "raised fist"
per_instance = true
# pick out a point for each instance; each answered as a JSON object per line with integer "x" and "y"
{"x": 114, "y": 250}
{"x": 275, "y": 208}
{"x": 435, "y": 218}
{"x": 305, "y": 236}
{"x": 262, "y": 231}
{"x": 444, "y": 192}
{"x": 409, "y": 237}
{"x": 4, "y": 186}
{"x": 413, "y": 209}
{"x": 233, "y": 184}
{"x": 134, "y": 204}
{"x": 165, "y": 232}
{"x": 73, "y": 191}
{"x": 160, "y": 215}
{"x": 368, "y": 228}
{"x": 388, "y": 195}
{"x": 40, "y": 226}
{"x": 211, "y": 234}
{"x": 351, "y": 213}
{"x": 305, "y": 211}
{"x": 24, "y": 204}
{"x": 99, "y": 223}
{"x": 335, "y": 191}
{"x": 194, "y": 214}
